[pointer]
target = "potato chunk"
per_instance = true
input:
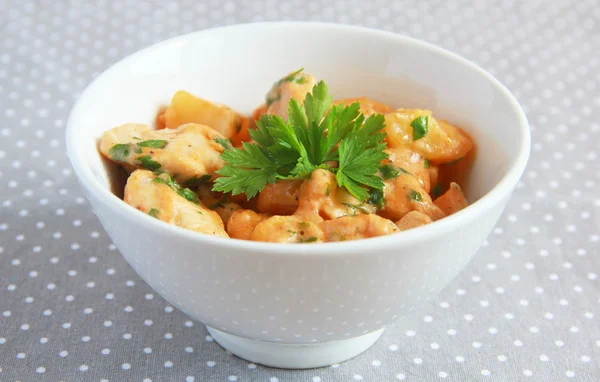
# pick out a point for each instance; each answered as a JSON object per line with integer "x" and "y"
{"x": 187, "y": 108}
{"x": 163, "y": 202}
{"x": 189, "y": 152}
{"x": 357, "y": 227}
{"x": 441, "y": 144}
{"x": 452, "y": 200}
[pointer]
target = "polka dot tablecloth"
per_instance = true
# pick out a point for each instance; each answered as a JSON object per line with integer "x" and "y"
{"x": 526, "y": 308}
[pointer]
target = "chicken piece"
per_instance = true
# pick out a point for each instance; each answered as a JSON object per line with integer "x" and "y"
{"x": 187, "y": 108}
{"x": 242, "y": 222}
{"x": 295, "y": 85}
{"x": 357, "y": 227}
{"x": 320, "y": 199}
{"x": 162, "y": 201}
{"x": 413, "y": 219}
{"x": 404, "y": 194}
{"x": 368, "y": 106}
{"x": 441, "y": 144}
{"x": 189, "y": 152}
{"x": 405, "y": 160}
{"x": 287, "y": 229}
{"x": 280, "y": 198}
{"x": 452, "y": 200}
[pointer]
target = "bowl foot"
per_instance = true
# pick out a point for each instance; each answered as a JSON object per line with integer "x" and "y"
{"x": 294, "y": 356}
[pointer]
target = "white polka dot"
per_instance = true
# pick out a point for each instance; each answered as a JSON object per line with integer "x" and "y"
{"x": 83, "y": 368}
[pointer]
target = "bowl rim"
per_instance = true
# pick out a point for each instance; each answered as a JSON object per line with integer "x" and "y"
{"x": 478, "y": 208}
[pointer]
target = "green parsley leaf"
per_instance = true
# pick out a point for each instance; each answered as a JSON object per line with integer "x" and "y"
{"x": 154, "y": 143}
{"x": 358, "y": 168}
{"x": 419, "y": 126}
{"x": 436, "y": 191}
{"x": 311, "y": 239}
{"x": 154, "y": 212}
{"x": 414, "y": 196}
{"x": 311, "y": 139}
{"x": 147, "y": 163}
{"x": 120, "y": 152}
{"x": 248, "y": 170}
{"x": 426, "y": 163}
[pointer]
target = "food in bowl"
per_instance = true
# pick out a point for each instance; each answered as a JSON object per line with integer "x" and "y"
{"x": 301, "y": 169}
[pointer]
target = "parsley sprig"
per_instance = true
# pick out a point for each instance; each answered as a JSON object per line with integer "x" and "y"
{"x": 342, "y": 141}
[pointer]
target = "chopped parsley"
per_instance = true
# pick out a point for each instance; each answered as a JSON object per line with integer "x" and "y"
{"x": 426, "y": 163}
{"x": 328, "y": 190}
{"x": 186, "y": 193}
{"x": 120, "y": 152}
{"x": 419, "y": 126}
{"x": 414, "y": 196}
{"x": 292, "y": 78}
{"x": 147, "y": 163}
{"x": 226, "y": 143}
{"x": 189, "y": 195}
{"x": 197, "y": 180}
{"x": 436, "y": 191}
{"x": 275, "y": 93}
{"x": 311, "y": 239}
{"x": 376, "y": 198}
{"x": 154, "y": 143}
{"x": 355, "y": 207}
{"x": 154, "y": 212}
{"x": 389, "y": 171}
{"x": 271, "y": 100}
{"x": 309, "y": 140}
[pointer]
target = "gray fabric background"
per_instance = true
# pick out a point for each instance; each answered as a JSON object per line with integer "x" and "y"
{"x": 526, "y": 308}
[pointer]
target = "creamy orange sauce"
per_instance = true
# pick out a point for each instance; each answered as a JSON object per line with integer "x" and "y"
{"x": 419, "y": 175}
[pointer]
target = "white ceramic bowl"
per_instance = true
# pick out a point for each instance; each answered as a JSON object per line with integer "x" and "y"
{"x": 299, "y": 305}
